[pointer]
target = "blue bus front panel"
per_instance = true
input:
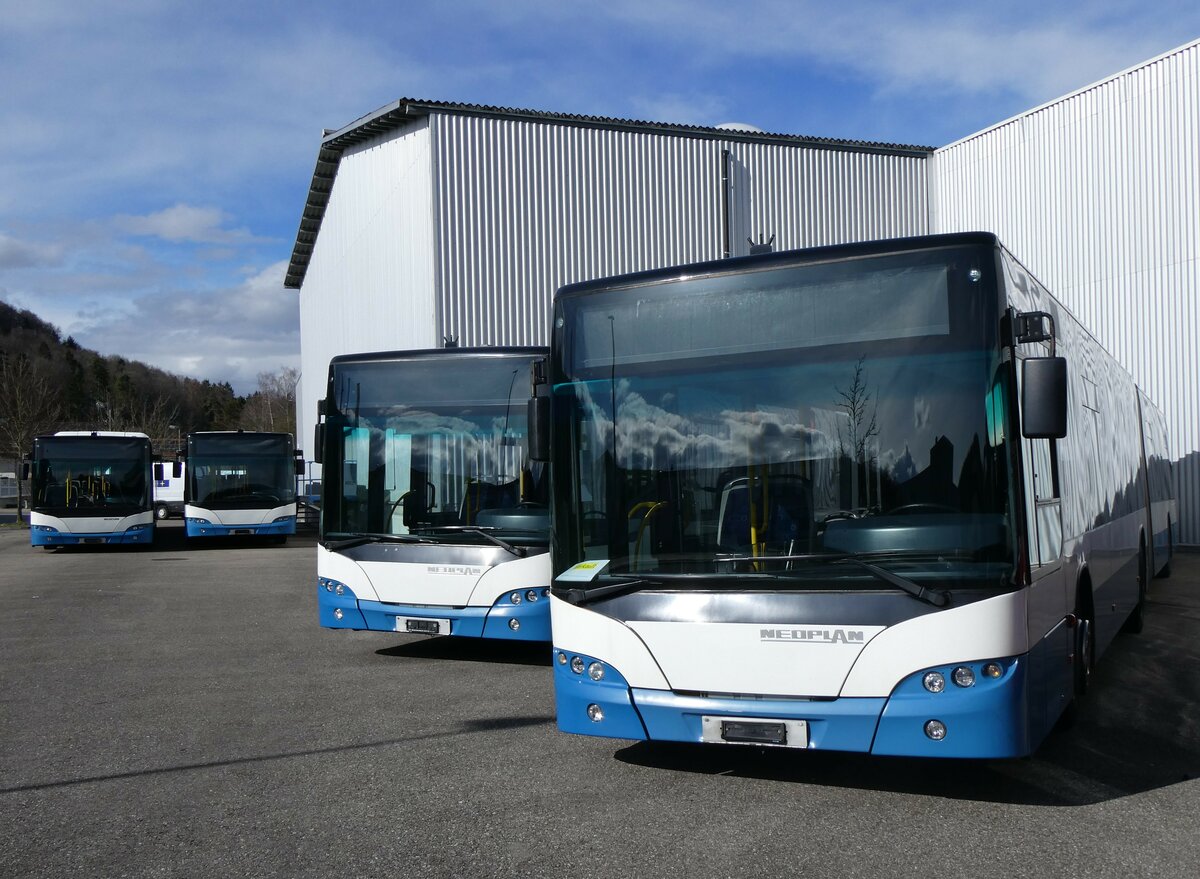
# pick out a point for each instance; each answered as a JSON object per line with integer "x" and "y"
{"x": 339, "y": 608}
{"x": 198, "y": 527}
{"x": 48, "y": 535}
{"x": 985, "y": 719}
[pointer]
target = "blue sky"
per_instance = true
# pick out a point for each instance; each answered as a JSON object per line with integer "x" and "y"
{"x": 156, "y": 154}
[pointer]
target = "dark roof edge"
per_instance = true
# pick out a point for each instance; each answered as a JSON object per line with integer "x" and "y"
{"x": 399, "y": 113}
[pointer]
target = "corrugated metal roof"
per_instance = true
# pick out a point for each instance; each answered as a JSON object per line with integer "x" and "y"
{"x": 402, "y": 112}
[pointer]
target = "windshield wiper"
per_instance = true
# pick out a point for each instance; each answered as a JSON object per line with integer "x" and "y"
{"x": 936, "y": 597}
{"x": 582, "y": 595}
{"x": 360, "y": 539}
{"x": 518, "y": 551}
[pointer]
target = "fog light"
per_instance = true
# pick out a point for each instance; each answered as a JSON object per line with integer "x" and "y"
{"x": 531, "y": 595}
{"x": 577, "y": 665}
{"x": 964, "y": 676}
{"x": 514, "y": 624}
{"x": 337, "y": 613}
{"x": 595, "y": 713}
{"x": 515, "y": 598}
{"x": 339, "y": 589}
{"x": 992, "y": 670}
{"x": 934, "y": 681}
{"x": 596, "y": 671}
{"x": 562, "y": 658}
{"x": 935, "y": 729}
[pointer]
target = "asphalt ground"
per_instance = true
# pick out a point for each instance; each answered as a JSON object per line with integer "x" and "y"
{"x": 178, "y": 712}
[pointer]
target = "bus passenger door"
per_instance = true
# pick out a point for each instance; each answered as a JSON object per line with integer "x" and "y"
{"x": 1050, "y": 641}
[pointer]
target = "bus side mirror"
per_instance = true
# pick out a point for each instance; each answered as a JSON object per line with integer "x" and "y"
{"x": 539, "y": 429}
{"x": 1044, "y": 397}
{"x": 299, "y": 462}
{"x": 319, "y": 444}
{"x": 176, "y": 469}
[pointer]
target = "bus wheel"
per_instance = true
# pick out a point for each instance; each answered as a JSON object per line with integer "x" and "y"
{"x": 161, "y": 512}
{"x": 1085, "y": 649}
{"x": 1165, "y": 570}
{"x": 1136, "y": 621}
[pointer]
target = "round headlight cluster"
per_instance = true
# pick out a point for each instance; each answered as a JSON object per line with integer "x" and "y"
{"x": 532, "y": 595}
{"x": 596, "y": 671}
{"x": 577, "y": 664}
{"x": 934, "y": 681}
{"x": 964, "y": 676}
{"x": 515, "y": 598}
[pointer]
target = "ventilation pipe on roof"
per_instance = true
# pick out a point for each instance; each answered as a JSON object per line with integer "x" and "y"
{"x": 761, "y": 247}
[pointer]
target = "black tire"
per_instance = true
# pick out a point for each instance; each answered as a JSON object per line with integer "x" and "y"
{"x": 1085, "y": 643}
{"x": 1165, "y": 570}
{"x": 161, "y": 512}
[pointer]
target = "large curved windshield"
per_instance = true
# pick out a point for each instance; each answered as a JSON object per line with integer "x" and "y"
{"x": 91, "y": 476}
{"x": 433, "y": 445}
{"x": 742, "y": 422}
{"x": 241, "y": 471}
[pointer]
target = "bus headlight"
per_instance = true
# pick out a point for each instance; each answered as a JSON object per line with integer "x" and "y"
{"x": 964, "y": 676}
{"x": 515, "y": 598}
{"x": 596, "y": 671}
{"x": 935, "y": 729}
{"x": 562, "y": 658}
{"x": 337, "y": 613}
{"x": 992, "y": 670}
{"x": 934, "y": 681}
{"x": 339, "y": 589}
{"x": 531, "y": 595}
{"x": 577, "y": 664}
{"x": 595, "y": 713}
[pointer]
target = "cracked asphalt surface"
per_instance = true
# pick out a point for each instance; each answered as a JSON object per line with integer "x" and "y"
{"x": 178, "y": 712}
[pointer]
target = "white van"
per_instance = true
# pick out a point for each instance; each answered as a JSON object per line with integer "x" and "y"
{"x": 169, "y": 477}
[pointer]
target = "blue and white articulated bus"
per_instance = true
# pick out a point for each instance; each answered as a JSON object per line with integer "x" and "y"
{"x": 240, "y": 483}
{"x": 91, "y": 487}
{"x": 886, "y": 497}
{"x": 432, "y": 521}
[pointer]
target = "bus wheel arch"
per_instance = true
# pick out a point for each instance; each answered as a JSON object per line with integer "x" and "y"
{"x": 1136, "y": 621}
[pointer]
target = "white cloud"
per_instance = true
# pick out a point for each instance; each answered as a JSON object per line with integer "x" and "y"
{"x": 183, "y": 222}
{"x": 18, "y": 254}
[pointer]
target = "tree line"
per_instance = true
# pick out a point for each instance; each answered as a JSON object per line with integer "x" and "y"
{"x": 48, "y": 383}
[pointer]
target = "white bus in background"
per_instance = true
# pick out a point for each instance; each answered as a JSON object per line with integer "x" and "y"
{"x": 169, "y": 480}
{"x": 241, "y": 483}
{"x": 432, "y": 519}
{"x": 888, "y": 497}
{"x": 91, "y": 487}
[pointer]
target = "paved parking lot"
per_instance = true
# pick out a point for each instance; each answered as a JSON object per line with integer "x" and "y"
{"x": 177, "y": 712}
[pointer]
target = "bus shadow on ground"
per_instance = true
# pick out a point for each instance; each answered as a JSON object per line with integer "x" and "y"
{"x": 1135, "y": 731}
{"x": 492, "y": 650}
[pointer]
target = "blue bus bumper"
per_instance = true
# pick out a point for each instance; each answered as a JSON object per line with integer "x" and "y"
{"x": 986, "y": 720}
{"x": 43, "y": 535}
{"x": 527, "y": 621}
{"x": 203, "y": 528}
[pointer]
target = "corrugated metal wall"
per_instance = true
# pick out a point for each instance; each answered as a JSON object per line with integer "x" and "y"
{"x": 525, "y": 207}
{"x": 1099, "y": 195}
{"x": 370, "y": 282}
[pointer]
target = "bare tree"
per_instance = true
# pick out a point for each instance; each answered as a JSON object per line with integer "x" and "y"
{"x": 273, "y": 406}
{"x": 862, "y": 425}
{"x": 28, "y": 406}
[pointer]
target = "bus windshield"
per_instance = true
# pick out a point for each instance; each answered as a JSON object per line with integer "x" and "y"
{"x": 432, "y": 445}
{"x": 240, "y": 471}
{"x": 91, "y": 475}
{"x": 749, "y": 422}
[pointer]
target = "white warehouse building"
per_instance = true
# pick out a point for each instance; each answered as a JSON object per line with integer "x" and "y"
{"x": 427, "y": 220}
